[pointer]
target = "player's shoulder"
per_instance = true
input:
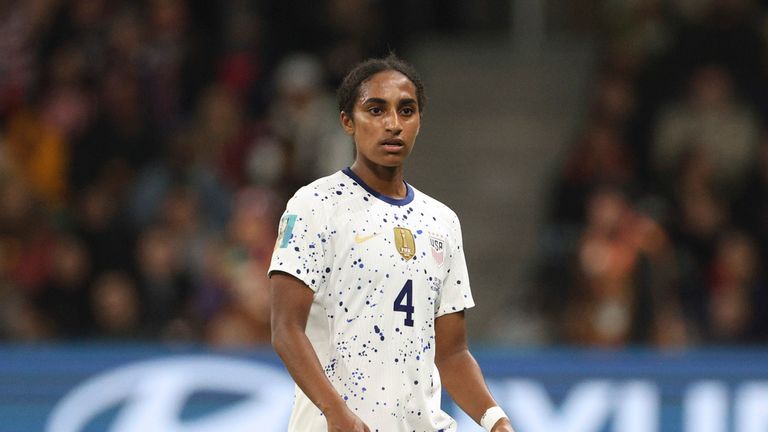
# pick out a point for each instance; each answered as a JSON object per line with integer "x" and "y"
{"x": 433, "y": 205}
{"x": 320, "y": 190}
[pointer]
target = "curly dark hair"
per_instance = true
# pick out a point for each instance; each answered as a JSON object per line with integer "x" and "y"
{"x": 349, "y": 90}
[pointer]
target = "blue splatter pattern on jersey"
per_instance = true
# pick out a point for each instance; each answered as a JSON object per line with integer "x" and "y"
{"x": 372, "y": 318}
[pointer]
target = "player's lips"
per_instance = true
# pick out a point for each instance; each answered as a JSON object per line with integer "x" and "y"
{"x": 393, "y": 144}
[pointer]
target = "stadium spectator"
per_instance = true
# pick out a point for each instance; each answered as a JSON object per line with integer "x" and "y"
{"x": 115, "y": 307}
{"x": 302, "y": 119}
{"x": 623, "y": 274}
{"x": 715, "y": 123}
{"x": 244, "y": 316}
{"x": 64, "y": 296}
{"x": 736, "y": 292}
{"x": 164, "y": 284}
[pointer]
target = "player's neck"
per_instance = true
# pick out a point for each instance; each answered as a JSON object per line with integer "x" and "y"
{"x": 384, "y": 180}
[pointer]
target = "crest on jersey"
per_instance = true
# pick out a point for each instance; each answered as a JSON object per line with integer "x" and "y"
{"x": 404, "y": 242}
{"x": 437, "y": 245}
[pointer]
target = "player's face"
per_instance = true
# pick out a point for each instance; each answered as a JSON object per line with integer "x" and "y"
{"x": 385, "y": 120}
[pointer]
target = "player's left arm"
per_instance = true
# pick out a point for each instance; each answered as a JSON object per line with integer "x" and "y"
{"x": 460, "y": 373}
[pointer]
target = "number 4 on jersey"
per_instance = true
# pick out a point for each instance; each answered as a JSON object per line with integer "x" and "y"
{"x": 406, "y": 294}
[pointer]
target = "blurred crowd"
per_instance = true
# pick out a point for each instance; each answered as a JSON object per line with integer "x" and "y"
{"x": 659, "y": 220}
{"x": 146, "y": 151}
{"x": 148, "y": 147}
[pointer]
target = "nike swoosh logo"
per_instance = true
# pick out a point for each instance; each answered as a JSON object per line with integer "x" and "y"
{"x": 361, "y": 239}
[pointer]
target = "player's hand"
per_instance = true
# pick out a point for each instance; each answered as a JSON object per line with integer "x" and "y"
{"x": 345, "y": 421}
{"x": 503, "y": 425}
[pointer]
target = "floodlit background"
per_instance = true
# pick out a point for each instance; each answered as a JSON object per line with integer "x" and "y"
{"x": 608, "y": 160}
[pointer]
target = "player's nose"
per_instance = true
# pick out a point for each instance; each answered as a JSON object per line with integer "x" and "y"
{"x": 392, "y": 123}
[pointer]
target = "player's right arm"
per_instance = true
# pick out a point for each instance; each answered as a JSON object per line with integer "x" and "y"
{"x": 291, "y": 302}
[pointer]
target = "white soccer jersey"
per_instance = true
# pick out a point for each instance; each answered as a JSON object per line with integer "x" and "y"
{"x": 382, "y": 270}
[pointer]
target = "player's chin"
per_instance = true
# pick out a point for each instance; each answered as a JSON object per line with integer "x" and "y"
{"x": 391, "y": 162}
{"x": 394, "y": 158}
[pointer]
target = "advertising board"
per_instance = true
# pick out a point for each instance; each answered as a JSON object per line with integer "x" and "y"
{"x": 127, "y": 388}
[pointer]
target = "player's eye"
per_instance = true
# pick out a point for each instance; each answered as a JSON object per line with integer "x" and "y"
{"x": 375, "y": 110}
{"x": 407, "y": 111}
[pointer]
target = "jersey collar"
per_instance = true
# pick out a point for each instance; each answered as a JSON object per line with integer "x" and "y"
{"x": 387, "y": 199}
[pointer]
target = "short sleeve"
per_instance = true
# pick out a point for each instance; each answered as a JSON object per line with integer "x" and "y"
{"x": 301, "y": 241}
{"x": 456, "y": 294}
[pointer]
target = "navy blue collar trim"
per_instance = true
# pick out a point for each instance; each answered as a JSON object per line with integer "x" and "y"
{"x": 387, "y": 199}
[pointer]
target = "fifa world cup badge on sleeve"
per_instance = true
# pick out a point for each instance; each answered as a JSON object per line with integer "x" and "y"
{"x": 285, "y": 232}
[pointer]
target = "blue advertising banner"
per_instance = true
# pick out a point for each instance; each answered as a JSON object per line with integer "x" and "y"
{"x": 127, "y": 388}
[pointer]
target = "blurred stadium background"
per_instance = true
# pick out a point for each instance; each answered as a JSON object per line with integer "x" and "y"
{"x": 608, "y": 160}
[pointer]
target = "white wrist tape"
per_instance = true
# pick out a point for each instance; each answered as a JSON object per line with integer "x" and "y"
{"x": 491, "y": 416}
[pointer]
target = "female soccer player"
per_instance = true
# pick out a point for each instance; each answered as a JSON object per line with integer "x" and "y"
{"x": 369, "y": 281}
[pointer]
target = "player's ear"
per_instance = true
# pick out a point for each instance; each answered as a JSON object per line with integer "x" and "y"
{"x": 347, "y": 123}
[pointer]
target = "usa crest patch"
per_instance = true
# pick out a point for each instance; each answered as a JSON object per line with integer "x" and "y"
{"x": 437, "y": 246}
